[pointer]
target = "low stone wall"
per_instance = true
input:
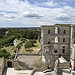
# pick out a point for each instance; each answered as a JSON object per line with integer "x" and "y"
{"x": 29, "y": 54}
{"x": 65, "y": 65}
{"x": 1, "y": 65}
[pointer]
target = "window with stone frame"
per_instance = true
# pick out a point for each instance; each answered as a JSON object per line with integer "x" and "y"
{"x": 63, "y": 49}
{"x": 56, "y": 39}
{"x": 55, "y": 51}
{"x": 48, "y": 31}
{"x": 64, "y": 31}
{"x": 56, "y": 30}
{"x": 63, "y": 39}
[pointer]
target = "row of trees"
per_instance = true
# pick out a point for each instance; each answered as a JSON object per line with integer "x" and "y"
{"x": 28, "y": 34}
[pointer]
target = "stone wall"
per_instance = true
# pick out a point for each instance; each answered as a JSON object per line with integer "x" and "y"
{"x": 72, "y": 55}
{"x": 45, "y": 38}
{"x": 9, "y": 60}
{"x": 1, "y": 65}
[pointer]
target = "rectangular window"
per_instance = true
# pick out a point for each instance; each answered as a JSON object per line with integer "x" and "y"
{"x": 63, "y": 39}
{"x": 48, "y": 31}
{"x": 64, "y": 31}
{"x": 55, "y": 51}
{"x": 63, "y": 49}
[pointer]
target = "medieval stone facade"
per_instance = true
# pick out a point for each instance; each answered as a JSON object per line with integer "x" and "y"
{"x": 56, "y": 39}
{"x": 72, "y": 55}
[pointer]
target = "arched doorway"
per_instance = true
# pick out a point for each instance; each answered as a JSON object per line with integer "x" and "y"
{"x": 9, "y": 64}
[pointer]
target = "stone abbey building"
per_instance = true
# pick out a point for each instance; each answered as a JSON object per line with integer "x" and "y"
{"x": 60, "y": 40}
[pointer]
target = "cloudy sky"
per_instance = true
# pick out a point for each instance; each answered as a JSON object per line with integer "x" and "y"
{"x": 34, "y": 13}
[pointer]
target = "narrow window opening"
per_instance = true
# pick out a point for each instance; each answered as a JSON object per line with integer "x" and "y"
{"x": 63, "y": 49}
{"x": 63, "y": 39}
{"x": 48, "y": 31}
{"x": 64, "y": 31}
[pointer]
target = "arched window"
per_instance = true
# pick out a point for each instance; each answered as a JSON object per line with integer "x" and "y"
{"x": 56, "y": 30}
{"x": 56, "y": 39}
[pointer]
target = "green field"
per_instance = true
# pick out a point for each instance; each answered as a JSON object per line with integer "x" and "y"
{"x": 32, "y": 50}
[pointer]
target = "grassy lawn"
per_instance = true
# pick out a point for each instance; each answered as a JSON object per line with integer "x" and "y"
{"x": 9, "y": 49}
{"x": 32, "y": 50}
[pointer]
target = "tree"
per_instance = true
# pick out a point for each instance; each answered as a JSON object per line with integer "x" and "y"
{"x": 28, "y": 44}
{"x": 4, "y": 53}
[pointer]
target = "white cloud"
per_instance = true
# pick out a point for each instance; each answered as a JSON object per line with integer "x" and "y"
{"x": 28, "y": 14}
{"x": 50, "y": 3}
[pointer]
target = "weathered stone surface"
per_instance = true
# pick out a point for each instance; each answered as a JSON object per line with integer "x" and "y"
{"x": 45, "y": 38}
{"x": 1, "y": 65}
{"x": 30, "y": 61}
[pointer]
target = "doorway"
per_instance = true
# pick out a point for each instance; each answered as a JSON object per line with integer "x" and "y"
{"x": 9, "y": 64}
